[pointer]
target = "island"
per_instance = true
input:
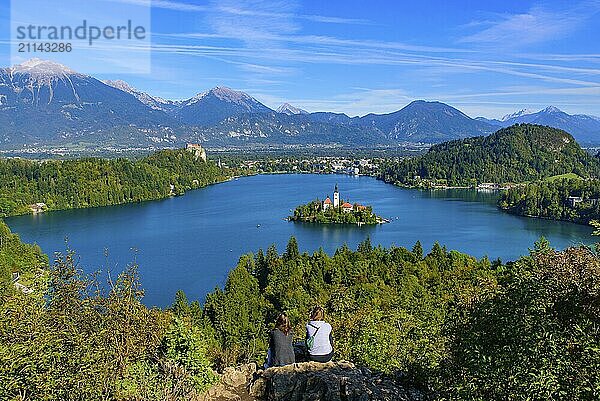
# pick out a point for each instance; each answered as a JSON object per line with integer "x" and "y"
{"x": 335, "y": 212}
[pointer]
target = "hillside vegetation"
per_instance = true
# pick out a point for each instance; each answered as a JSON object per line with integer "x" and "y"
{"x": 91, "y": 182}
{"x": 573, "y": 200}
{"x": 520, "y": 153}
{"x": 465, "y": 328}
{"x": 17, "y": 257}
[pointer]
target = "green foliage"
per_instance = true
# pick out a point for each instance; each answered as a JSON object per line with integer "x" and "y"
{"x": 74, "y": 338}
{"x": 387, "y": 306}
{"x": 538, "y": 338}
{"x": 291, "y": 250}
{"x": 184, "y": 346}
{"x": 473, "y": 330}
{"x": 237, "y": 315}
{"x": 313, "y": 212}
{"x": 550, "y": 199}
{"x": 568, "y": 176}
{"x": 17, "y": 257}
{"x": 181, "y": 306}
{"x": 92, "y": 182}
{"x": 519, "y": 153}
{"x": 418, "y": 250}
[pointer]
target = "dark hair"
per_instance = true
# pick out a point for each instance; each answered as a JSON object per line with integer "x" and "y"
{"x": 283, "y": 324}
{"x": 317, "y": 313}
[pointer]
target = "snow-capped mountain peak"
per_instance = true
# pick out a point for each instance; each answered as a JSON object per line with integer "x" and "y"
{"x": 37, "y": 81}
{"x": 520, "y": 113}
{"x": 230, "y": 95}
{"x": 153, "y": 102}
{"x": 42, "y": 68}
{"x": 223, "y": 93}
{"x": 551, "y": 109}
{"x": 218, "y": 104}
{"x": 120, "y": 84}
{"x": 288, "y": 109}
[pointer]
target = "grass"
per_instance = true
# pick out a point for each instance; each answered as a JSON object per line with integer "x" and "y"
{"x": 570, "y": 176}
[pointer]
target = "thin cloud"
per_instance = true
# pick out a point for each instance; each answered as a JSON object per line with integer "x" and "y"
{"x": 315, "y": 18}
{"x": 320, "y": 40}
{"x": 537, "y": 25}
{"x": 370, "y": 57}
{"x": 164, "y": 4}
{"x": 233, "y": 10}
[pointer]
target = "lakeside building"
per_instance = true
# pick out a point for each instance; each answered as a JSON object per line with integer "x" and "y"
{"x": 38, "y": 207}
{"x": 574, "y": 200}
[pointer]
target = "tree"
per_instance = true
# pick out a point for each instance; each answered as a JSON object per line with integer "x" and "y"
{"x": 181, "y": 305}
{"x": 183, "y": 346}
{"x": 417, "y": 250}
{"x": 536, "y": 338}
{"x": 237, "y": 314}
{"x": 291, "y": 250}
{"x": 365, "y": 246}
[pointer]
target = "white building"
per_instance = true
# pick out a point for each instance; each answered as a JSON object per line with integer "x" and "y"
{"x": 336, "y": 197}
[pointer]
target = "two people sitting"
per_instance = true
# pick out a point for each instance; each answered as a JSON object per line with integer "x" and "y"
{"x": 318, "y": 343}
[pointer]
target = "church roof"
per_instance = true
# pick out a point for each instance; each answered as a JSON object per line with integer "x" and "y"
{"x": 346, "y": 205}
{"x": 327, "y": 201}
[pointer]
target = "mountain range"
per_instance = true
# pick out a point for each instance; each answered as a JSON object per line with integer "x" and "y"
{"x": 585, "y": 129}
{"x": 43, "y": 103}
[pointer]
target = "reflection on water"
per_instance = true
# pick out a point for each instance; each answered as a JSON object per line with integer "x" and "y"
{"x": 192, "y": 241}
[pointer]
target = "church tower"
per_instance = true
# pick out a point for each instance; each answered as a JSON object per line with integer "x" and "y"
{"x": 336, "y": 197}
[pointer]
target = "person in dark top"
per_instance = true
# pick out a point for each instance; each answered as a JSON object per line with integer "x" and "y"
{"x": 281, "y": 350}
{"x": 319, "y": 337}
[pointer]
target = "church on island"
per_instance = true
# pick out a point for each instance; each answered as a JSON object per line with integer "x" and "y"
{"x": 346, "y": 207}
{"x": 336, "y": 211}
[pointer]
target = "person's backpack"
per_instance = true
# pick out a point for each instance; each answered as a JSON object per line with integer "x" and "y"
{"x": 310, "y": 341}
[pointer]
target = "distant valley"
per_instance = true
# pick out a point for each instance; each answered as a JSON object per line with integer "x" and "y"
{"x": 45, "y": 104}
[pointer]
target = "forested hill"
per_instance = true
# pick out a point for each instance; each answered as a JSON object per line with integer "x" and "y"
{"x": 94, "y": 182}
{"x": 519, "y": 153}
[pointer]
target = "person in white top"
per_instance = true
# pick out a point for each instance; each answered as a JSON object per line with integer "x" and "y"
{"x": 319, "y": 337}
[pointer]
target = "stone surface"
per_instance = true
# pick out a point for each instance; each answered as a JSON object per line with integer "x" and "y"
{"x": 333, "y": 381}
{"x": 233, "y": 385}
{"x": 310, "y": 381}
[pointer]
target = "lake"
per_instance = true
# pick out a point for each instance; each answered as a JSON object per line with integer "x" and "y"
{"x": 191, "y": 242}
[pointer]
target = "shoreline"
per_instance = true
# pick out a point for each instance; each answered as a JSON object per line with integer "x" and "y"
{"x": 232, "y": 178}
{"x": 360, "y": 224}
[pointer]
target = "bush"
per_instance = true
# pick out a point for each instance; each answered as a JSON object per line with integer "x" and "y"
{"x": 538, "y": 337}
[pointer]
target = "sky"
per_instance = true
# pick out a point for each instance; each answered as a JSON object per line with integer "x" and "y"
{"x": 486, "y": 58}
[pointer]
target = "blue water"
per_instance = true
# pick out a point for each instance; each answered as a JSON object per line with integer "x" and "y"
{"x": 191, "y": 242}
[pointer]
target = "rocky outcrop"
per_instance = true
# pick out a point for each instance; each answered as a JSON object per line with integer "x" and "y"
{"x": 310, "y": 381}
{"x": 333, "y": 381}
{"x": 233, "y": 385}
